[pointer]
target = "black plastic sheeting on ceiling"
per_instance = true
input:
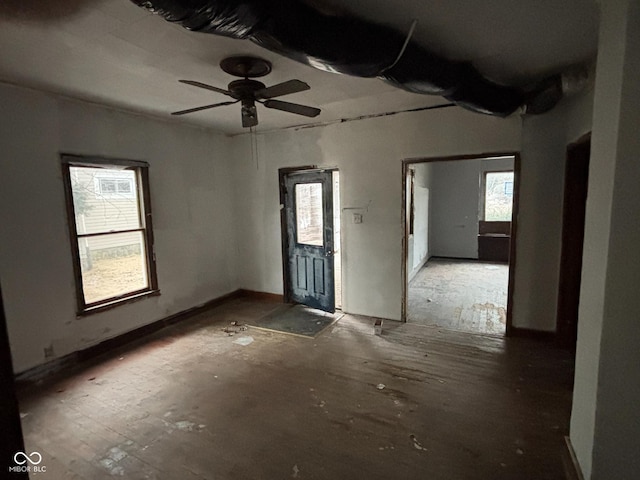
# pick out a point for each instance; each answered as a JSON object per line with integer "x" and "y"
{"x": 350, "y": 46}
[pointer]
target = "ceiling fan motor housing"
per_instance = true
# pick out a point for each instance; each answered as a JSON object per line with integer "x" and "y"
{"x": 245, "y": 88}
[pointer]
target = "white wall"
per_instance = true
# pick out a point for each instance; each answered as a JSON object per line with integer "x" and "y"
{"x": 605, "y": 425}
{"x": 418, "y": 243}
{"x": 543, "y": 154}
{"x": 191, "y": 202}
{"x": 455, "y": 205}
{"x": 368, "y": 154}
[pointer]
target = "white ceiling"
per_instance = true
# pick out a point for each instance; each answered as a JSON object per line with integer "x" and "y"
{"x": 115, "y": 53}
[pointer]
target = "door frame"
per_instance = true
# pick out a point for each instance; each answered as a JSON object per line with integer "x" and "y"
{"x": 514, "y": 225}
{"x": 570, "y": 266}
{"x": 10, "y": 423}
{"x": 282, "y": 173}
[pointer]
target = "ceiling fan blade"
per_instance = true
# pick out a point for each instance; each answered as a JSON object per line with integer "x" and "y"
{"x": 204, "y": 107}
{"x": 207, "y": 87}
{"x": 284, "y": 88}
{"x": 293, "y": 108}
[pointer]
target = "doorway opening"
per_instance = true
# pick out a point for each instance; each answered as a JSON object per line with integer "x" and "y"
{"x": 311, "y": 250}
{"x": 459, "y": 221}
{"x": 576, "y": 181}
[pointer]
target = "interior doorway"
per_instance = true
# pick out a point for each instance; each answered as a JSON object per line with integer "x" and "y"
{"x": 459, "y": 221}
{"x": 576, "y": 182}
{"x": 311, "y": 252}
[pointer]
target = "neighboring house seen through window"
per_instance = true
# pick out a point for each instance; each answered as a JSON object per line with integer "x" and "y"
{"x": 498, "y": 196}
{"x": 110, "y": 225}
{"x": 114, "y": 187}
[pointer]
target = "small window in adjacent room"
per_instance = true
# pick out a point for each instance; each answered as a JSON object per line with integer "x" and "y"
{"x": 498, "y": 196}
{"x": 110, "y": 226}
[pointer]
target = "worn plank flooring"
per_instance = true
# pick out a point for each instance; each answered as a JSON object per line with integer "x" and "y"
{"x": 414, "y": 403}
{"x": 465, "y": 295}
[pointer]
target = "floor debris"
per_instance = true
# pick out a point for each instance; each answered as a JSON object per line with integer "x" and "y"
{"x": 377, "y": 327}
{"x": 233, "y": 328}
{"x": 244, "y": 341}
{"x": 110, "y": 462}
{"x": 296, "y": 471}
{"x": 416, "y": 443}
{"x": 381, "y": 386}
{"x": 185, "y": 425}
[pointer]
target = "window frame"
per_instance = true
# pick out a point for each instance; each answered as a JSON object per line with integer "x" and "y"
{"x": 141, "y": 170}
{"x": 483, "y": 196}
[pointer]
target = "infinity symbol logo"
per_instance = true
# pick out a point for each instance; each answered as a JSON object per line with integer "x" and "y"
{"x": 27, "y": 458}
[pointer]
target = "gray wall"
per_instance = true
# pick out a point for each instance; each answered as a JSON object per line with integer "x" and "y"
{"x": 455, "y": 204}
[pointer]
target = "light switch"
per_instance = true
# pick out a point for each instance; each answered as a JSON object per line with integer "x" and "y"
{"x": 357, "y": 218}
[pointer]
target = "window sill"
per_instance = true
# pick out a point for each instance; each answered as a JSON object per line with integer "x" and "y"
{"x": 116, "y": 303}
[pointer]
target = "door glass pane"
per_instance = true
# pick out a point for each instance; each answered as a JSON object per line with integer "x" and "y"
{"x": 112, "y": 264}
{"x": 309, "y": 221}
{"x": 498, "y": 200}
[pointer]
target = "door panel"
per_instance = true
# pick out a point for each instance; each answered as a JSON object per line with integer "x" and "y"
{"x": 309, "y": 238}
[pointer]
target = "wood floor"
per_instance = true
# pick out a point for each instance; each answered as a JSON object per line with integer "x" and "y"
{"x": 465, "y": 295}
{"x": 414, "y": 403}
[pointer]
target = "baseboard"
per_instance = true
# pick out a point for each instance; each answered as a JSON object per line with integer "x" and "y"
{"x": 415, "y": 271}
{"x": 452, "y": 258}
{"x": 63, "y": 363}
{"x": 263, "y": 296}
{"x": 542, "y": 335}
{"x": 571, "y": 466}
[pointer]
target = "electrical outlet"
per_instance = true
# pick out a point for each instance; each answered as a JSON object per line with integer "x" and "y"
{"x": 357, "y": 218}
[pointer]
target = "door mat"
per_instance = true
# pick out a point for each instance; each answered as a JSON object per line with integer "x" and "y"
{"x": 297, "y": 320}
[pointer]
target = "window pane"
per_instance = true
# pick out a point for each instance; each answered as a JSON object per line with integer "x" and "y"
{"x": 124, "y": 186}
{"x": 112, "y": 265}
{"x": 107, "y": 186}
{"x": 309, "y": 219}
{"x": 498, "y": 197}
{"x": 104, "y": 200}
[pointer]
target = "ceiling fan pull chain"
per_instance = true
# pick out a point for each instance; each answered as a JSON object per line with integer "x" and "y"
{"x": 404, "y": 46}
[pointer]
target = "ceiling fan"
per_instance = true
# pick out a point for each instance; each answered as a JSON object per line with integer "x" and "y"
{"x": 248, "y": 92}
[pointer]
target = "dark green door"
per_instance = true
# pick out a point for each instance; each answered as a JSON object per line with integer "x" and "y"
{"x": 309, "y": 238}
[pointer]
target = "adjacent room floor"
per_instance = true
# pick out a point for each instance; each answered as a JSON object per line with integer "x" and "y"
{"x": 465, "y": 295}
{"x": 193, "y": 402}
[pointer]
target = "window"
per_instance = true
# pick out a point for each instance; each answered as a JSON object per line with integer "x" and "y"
{"x": 110, "y": 226}
{"x": 309, "y": 219}
{"x": 498, "y": 196}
